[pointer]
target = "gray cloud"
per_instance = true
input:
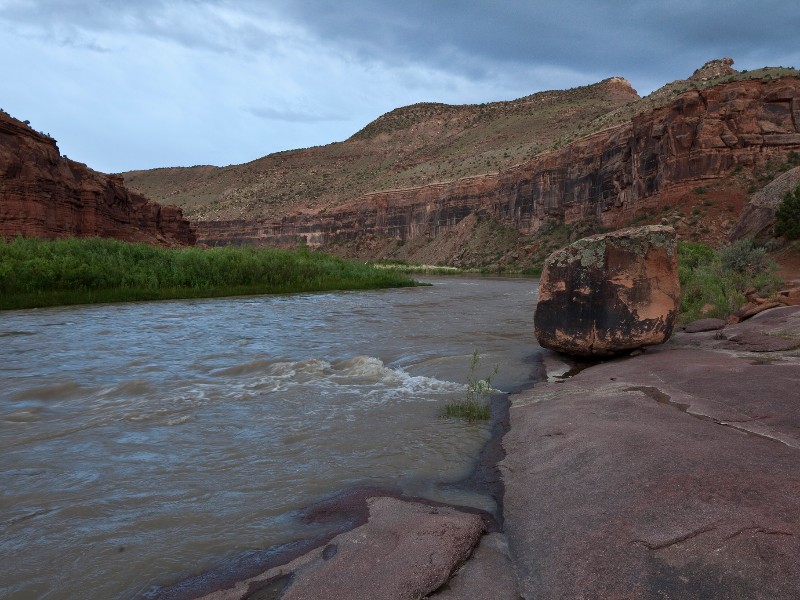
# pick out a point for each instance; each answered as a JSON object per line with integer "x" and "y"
{"x": 474, "y": 38}
{"x": 194, "y": 24}
{"x": 230, "y": 80}
{"x": 613, "y": 37}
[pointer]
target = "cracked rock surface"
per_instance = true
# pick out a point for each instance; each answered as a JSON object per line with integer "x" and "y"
{"x": 672, "y": 474}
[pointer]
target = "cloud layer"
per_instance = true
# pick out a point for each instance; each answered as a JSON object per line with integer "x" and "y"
{"x": 125, "y": 85}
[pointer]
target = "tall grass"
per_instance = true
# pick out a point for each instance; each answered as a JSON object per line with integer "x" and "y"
{"x": 713, "y": 283}
{"x": 36, "y": 272}
{"x": 474, "y": 406}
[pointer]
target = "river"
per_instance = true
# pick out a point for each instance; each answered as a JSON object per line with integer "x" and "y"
{"x": 145, "y": 442}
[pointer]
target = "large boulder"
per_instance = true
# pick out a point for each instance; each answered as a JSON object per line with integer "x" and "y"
{"x": 610, "y": 292}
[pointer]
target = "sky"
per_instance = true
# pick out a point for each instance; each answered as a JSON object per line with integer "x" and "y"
{"x": 139, "y": 84}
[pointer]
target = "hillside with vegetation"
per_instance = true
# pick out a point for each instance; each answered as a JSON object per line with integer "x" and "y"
{"x": 410, "y": 146}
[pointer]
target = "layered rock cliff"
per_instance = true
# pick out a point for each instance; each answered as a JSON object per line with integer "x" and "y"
{"x": 613, "y": 176}
{"x": 44, "y": 194}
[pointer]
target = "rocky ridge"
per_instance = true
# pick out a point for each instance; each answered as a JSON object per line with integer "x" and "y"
{"x": 659, "y": 160}
{"x": 410, "y": 146}
{"x": 758, "y": 217}
{"x": 44, "y": 194}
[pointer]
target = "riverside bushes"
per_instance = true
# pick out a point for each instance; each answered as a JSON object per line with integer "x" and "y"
{"x": 36, "y": 272}
{"x": 713, "y": 283}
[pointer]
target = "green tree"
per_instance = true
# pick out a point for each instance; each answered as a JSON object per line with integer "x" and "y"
{"x": 787, "y": 217}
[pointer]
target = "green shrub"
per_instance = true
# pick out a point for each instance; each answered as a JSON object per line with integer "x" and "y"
{"x": 744, "y": 257}
{"x": 713, "y": 283}
{"x": 787, "y": 217}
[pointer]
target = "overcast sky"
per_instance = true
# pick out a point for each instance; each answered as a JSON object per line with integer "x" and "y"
{"x": 134, "y": 84}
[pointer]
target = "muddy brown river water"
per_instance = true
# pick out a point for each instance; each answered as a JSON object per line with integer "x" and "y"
{"x": 145, "y": 442}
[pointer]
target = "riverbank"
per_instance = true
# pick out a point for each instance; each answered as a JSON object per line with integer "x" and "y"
{"x": 350, "y": 518}
{"x": 670, "y": 473}
{"x": 36, "y": 273}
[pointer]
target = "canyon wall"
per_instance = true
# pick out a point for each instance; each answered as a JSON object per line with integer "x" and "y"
{"x": 612, "y": 176}
{"x": 44, "y": 194}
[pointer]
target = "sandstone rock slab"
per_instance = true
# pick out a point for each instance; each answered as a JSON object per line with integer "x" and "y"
{"x": 758, "y": 217}
{"x": 705, "y": 325}
{"x": 405, "y": 550}
{"x": 610, "y": 292}
{"x": 675, "y": 474}
{"x": 487, "y": 575}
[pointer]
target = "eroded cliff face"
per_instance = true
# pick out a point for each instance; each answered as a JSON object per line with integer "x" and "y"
{"x": 44, "y": 194}
{"x": 612, "y": 176}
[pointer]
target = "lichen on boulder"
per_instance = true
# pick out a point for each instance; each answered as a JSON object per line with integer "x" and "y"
{"x": 609, "y": 293}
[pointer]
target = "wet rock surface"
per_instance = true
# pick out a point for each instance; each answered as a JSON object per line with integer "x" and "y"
{"x": 674, "y": 474}
{"x": 405, "y": 550}
{"x": 609, "y": 293}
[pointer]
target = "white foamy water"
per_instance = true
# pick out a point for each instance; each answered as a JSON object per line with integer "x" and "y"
{"x": 146, "y": 442}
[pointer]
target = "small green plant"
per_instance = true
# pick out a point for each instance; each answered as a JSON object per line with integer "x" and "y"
{"x": 474, "y": 406}
{"x": 787, "y": 217}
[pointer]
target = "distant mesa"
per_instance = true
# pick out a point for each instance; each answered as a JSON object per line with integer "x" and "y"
{"x": 44, "y": 194}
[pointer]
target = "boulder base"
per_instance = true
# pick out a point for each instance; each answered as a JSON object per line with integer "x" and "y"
{"x": 610, "y": 292}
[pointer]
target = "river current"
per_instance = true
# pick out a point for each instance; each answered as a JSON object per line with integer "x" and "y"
{"x": 145, "y": 442}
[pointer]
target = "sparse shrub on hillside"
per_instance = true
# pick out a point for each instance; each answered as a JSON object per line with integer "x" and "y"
{"x": 744, "y": 257}
{"x": 787, "y": 217}
{"x": 713, "y": 283}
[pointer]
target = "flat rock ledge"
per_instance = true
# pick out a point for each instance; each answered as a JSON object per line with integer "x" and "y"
{"x": 405, "y": 550}
{"x": 674, "y": 474}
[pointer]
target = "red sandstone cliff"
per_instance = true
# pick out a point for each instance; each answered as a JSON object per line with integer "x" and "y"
{"x": 43, "y": 194}
{"x": 702, "y": 136}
